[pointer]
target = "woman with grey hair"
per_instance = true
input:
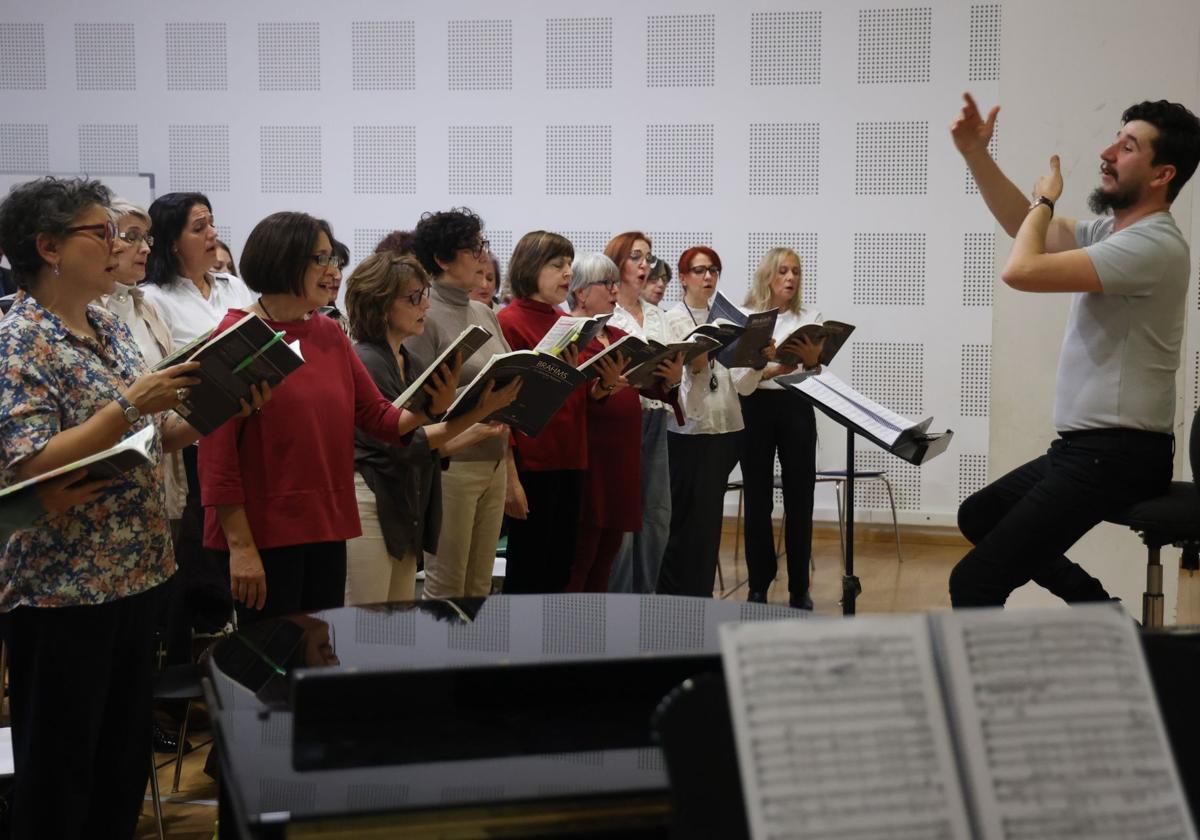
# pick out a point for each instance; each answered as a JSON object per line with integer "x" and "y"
{"x": 79, "y": 585}
{"x": 611, "y": 501}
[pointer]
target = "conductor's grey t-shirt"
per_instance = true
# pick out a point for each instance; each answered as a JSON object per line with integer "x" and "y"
{"x": 1121, "y": 349}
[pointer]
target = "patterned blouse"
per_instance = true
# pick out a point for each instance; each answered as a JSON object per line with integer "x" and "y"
{"x": 51, "y": 380}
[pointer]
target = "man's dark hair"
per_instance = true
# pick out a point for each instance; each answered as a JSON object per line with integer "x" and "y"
{"x": 168, "y": 217}
{"x": 279, "y": 251}
{"x": 44, "y": 206}
{"x": 1178, "y": 141}
{"x": 440, "y": 236}
{"x": 399, "y": 242}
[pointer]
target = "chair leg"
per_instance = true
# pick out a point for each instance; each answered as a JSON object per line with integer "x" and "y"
{"x": 895, "y": 522}
{"x": 187, "y": 709}
{"x": 155, "y": 796}
{"x": 1152, "y": 599}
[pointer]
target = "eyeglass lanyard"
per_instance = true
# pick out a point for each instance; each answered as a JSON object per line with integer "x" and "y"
{"x": 712, "y": 372}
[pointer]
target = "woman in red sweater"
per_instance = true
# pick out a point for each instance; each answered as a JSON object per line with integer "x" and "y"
{"x": 278, "y": 486}
{"x": 546, "y": 474}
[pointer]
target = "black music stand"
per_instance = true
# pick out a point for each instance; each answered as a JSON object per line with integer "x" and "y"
{"x": 914, "y": 445}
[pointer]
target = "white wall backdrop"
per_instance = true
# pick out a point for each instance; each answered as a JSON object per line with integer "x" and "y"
{"x": 820, "y": 125}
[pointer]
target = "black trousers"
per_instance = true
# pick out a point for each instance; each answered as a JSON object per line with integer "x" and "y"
{"x": 700, "y": 467}
{"x": 1022, "y": 524}
{"x": 778, "y": 421}
{"x": 300, "y": 578}
{"x": 80, "y": 685}
{"x": 541, "y": 548}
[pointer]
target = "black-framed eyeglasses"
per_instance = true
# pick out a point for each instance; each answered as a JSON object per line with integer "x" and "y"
{"x": 638, "y": 256}
{"x": 701, "y": 270}
{"x": 109, "y": 228}
{"x": 416, "y": 297}
{"x": 324, "y": 260}
{"x": 478, "y": 248}
{"x": 135, "y": 237}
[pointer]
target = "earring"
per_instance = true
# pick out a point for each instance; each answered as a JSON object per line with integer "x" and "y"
{"x": 56, "y": 269}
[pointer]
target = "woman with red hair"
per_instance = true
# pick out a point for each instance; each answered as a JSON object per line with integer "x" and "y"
{"x": 702, "y": 450}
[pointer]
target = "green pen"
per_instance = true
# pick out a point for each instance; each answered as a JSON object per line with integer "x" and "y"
{"x": 245, "y": 363}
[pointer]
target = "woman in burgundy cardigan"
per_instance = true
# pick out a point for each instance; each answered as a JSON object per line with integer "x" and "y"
{"x": 612, "y": 502}
{"x": 278, "y": 486}
{"x": 547, "y": 471}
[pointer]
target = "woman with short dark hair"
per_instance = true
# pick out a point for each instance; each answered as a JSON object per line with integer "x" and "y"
{"x": 278, "y": 488}
{"x": 548, "y": 469}
{"x": 191, "y": 297}
{"x": 79, "y": 584}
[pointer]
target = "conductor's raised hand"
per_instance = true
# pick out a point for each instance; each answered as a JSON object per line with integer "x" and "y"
{"x": 970, "y": 131}
{"x": 162, "y": 390}
{"x": 442, "y": 385}
{"x": 1050, "y": 185}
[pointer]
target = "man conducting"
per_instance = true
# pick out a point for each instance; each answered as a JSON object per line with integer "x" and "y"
{"x": 1114, "y": 407}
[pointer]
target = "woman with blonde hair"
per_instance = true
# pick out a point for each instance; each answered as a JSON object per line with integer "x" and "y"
{"x": 778, "y": 420}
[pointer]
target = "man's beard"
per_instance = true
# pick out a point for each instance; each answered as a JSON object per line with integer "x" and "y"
{"x": 1101, "y": 201}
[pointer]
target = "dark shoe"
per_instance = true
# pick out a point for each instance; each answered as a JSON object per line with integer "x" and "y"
{"x": 756, "y": 597}
{"x": 801, "y": 602}
{"x": 166, "y": 741}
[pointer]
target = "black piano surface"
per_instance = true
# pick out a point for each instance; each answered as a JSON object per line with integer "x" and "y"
{"x": 510, "y": 708}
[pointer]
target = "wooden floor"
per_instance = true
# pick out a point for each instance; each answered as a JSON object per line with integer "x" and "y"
{"x": 918, "y": 583}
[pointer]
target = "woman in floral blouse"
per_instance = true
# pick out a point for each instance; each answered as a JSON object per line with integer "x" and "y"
{"x": 78, "y": 586}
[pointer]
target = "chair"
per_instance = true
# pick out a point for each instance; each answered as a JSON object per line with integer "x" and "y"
{"x": 839, "y": 478}
{"x": 178, "y": 682}
{"x": 1170, "y": 519}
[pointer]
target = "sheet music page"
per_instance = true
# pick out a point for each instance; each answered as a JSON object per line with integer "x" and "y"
{"x": 1059, "y": 729}
{"x": 841, "y": 731}
{"x": 876, "y": 419}
{"x": 559, "y": 335}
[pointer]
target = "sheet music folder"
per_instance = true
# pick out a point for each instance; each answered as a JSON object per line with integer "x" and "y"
{"x": 908, "y": 441}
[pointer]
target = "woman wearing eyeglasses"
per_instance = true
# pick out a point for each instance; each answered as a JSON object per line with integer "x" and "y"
{"x": 657, "y": 282}
{"x": 398, "y": 488}
{"x": 79, "y": 585}
{"x": 278, "y": 487}
{"x": 637, "y": 564}
{"x": 780, "y": 421}
{"x": 703, "y": 449}
{"x": 451, "y": 248}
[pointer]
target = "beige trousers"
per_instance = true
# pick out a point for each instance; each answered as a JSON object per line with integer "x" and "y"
{"x": 472, "y": 510}
{"x": 372, "y": 575}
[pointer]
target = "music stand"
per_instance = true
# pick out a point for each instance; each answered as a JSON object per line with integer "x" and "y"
{"x": 864, "y": 417}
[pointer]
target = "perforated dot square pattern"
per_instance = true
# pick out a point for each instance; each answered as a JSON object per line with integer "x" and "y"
{"x": 905, "y": 480}
{"x": 385, "y": 159}
{"x": 480, "y": 159}
{"x": 891, "y": 373}
{"x": 891, "y": 158}
{"x": 479, "y": 54}
{"x": 289, "y": 56}
{"x": 578, "y": 159}
{"x": 108, "y": 149}
{"x": 894, "y": 45}
{"x": 983, "y": 59}
{"x": 785, "y": 158}
{"x": 975, "y": 378}
{"x": 384, "y": 54}
{"x": 197, "y": 56}
{"x": 889, "y": 269}
{"x": 668, "y": 624}
{"x": 679, "y": 159}
{"x": 24, "y": 147}
{"x": 105, "y": 56}
{"x": 291, "y": 158}
{"x": 22, "y": 56}
{"x": 785, "y": 48}
{"x": 972, "y": 473}
{"x": 978, "y": 263}
{"x": 681, "y": 50}
{"x": 573, "y": 624}
{"x": 579, "y": 53}
{"x": 198, "y": 158}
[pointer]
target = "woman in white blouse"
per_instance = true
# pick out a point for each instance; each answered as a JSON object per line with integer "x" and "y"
{"x": 637, "y": 564}
{"x": 705, "y": 448}
{"x": 778, "y": 420}
{"x": 179, "y": 278}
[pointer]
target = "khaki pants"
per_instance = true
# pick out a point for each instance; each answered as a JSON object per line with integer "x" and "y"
{"x": 372, "y": 575}
{"x": 472, "y": 511}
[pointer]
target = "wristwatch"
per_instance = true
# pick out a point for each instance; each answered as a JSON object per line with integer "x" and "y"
{"x": 1040, "y": 200}
{"x": 128, "y": 410}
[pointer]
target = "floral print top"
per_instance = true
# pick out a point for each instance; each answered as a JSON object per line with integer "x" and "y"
{"x": 51, "y": 380}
